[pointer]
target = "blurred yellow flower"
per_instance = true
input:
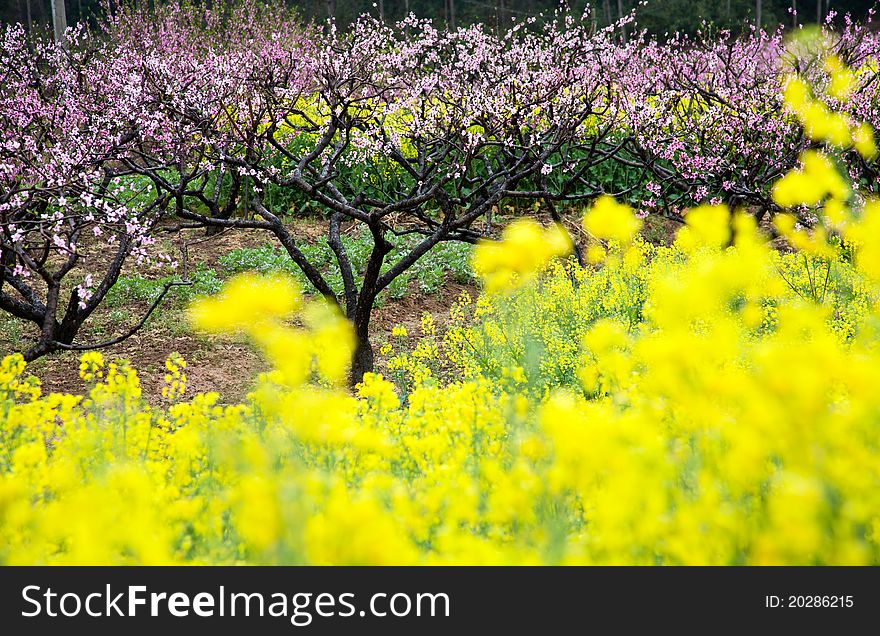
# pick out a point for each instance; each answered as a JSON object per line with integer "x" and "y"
{"x": 525, "y": 248}
{"x": 610, "y": 220}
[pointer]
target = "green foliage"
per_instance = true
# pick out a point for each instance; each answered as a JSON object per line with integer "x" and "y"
{"x": 138, "y": 289}
{"x": 11, "y": 332}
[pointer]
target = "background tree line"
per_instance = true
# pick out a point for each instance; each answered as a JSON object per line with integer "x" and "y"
{"x": 657, "y": 16}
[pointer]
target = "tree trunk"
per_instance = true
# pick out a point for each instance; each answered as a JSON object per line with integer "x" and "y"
{"x": 29, "y": 22}
{"x": 622, "y": 26}
{"x": 30, "y": 25}
{"x": 41, "y": 13}
{"x": 758, "y": 14}
{"x": 819, "y": 15}
{"x": 331, "y": 9}
{"x": 452, "y": 14}
{"x": 59, "y": 19}
{"x": 47, "y": 329}
{"x": 606, "y": 7}
{"x": 794, "y": 15}
{"x": 381, "y": 10}
{"x": 363, "y": 310}
{"x": 363, "y": 360}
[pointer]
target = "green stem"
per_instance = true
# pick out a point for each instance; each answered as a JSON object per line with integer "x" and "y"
{"x": 827, "y": 276}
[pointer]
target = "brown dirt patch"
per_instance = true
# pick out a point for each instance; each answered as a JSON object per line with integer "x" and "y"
{"x": 228, "y": 366}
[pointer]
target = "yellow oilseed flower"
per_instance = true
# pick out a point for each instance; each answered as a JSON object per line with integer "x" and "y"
{"x": 258, "y": 306}
{"x": 822, "y": 124}
{"x": 821, "y": 169}
{"x": 356, "y": 531}
{"x": 29, "y": 457}
{"x": 814, "y": 242}
{"x": 245, "y": 301}
{"x": 516, "y": 374}
{"x": 817, "y": 179}
{"x": 175, "y": 378}
{"x": 835, "y": 129}
{"x": 378, "y": 391}
{"x": 12, "y": 382}
{"x": 863, "y": 141}
{"x": 288, "y": 350}
{"x": 429, "y": 327}
{"x": 91, "y": 365}
{"x": 257, "y": 515}
{"x": 607, "y": 219}
{"x": 604, "y": 336}
{"x": 819, "y": 121}
{"x": 746, "y": 235}
{"x": 863, "y": 234}
{"x": 836, "y": 213}
{"x": 399, "y": 331}
{"x": 11, "y": 367}
{"x": 721, "y": 394}
{"x": 796, "y": 93}
{"x": 784, "y": 223}
{"x": 525, "y": 248}
{"x": 707, "y": 226}
{"x": 842, "y": 78}
{"x": 596, "y": 254}
{"x": 797, "y": 188}
{"x": 332, "y": 341}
